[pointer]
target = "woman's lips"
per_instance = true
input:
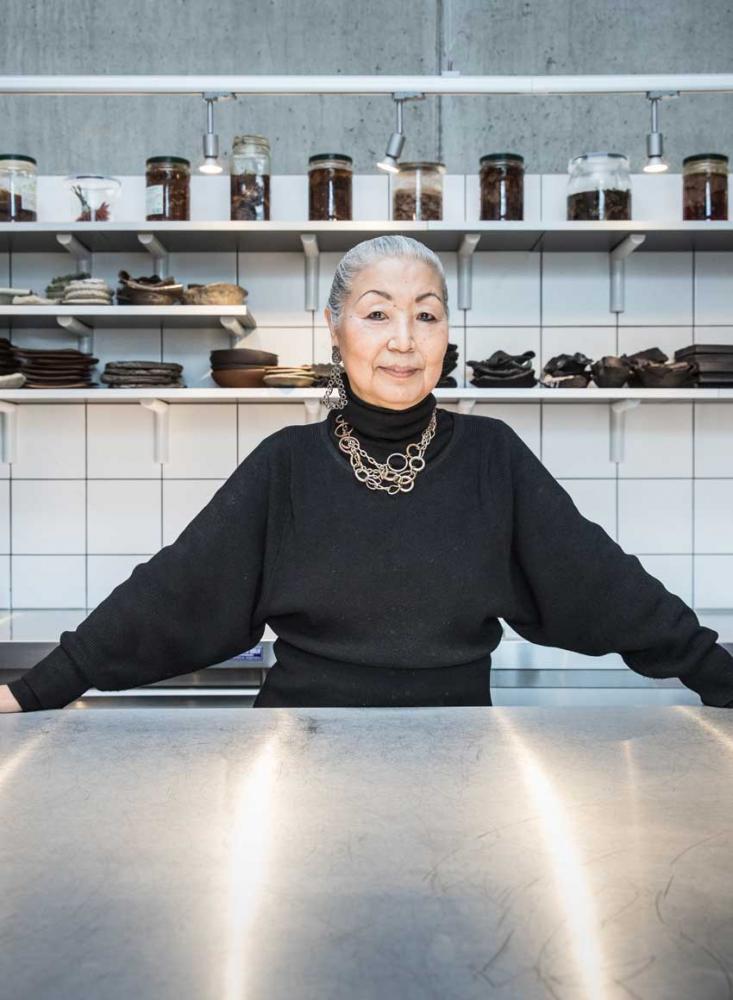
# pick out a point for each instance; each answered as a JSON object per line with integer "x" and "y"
{"x": 400, "y": 374}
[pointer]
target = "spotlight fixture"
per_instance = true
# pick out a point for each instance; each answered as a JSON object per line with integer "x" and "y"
{"x": 397, "y": 139}
{"x": 394, "y": 145}
{"x": 655, "y": 162}
{"x": 211, "y": 163}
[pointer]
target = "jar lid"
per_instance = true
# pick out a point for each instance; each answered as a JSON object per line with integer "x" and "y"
{"x": 169, "y": 159}
{"x": 594, "y": 156}
{"x": 705, "y": 156}
{"x": 250, "y": 137}
{"x": 317, "y": 157}
{"x": 17, "y": 156}
{"x": 496, "y": 157}
{"x": 423, "y": 165}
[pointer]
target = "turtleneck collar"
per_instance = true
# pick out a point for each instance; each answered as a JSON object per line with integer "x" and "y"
{"x": 381, "y": 422}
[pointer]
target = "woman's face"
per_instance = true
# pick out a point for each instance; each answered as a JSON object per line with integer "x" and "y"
{"x": 393, "y": 318}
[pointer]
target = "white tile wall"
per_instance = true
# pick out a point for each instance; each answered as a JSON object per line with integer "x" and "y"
{"x": 91, "y": 465}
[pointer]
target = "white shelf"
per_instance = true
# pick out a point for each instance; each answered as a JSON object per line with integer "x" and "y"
{"x": 285, "y": 395}
{"x": 124, "y": 316}
{"x": 217, "y": 235}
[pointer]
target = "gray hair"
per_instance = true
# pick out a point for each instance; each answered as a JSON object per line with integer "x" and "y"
{"x": 369, "y": 252}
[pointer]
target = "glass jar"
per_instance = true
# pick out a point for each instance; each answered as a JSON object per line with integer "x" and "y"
{"x": 17, "y": 188}
{"x": 250, "y": 178}
{"x": 329, "y": 186}
{"x": 705, "y": 187}
{"x": 502, "y": 187}
{"x": 599, "y": 187}
{"x": 417, "y": 191}
{"x": 92, "y": 196}
{"x": 167, "y": 188}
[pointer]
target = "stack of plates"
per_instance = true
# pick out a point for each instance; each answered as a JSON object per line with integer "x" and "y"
{"x": 65, "y": 368}
{"x": 714, "y": 364}
{"x": 240, "y": 368}
{"x": 504, "y": 371}
{"x": 8, "y": 294}
{"x": 56, "y": 287}
{"x": 300, "y": 376}
{"x": 88, "y": 292}
{"x": 450, "y": 361}
{"x": 143, "y": 374}
{"x": 8, "y": 363}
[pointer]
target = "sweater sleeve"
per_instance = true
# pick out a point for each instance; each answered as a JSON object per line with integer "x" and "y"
{"x": 189, "y": 606}
{"x": 575, "y": 588}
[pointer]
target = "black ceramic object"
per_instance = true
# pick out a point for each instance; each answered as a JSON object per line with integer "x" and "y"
{"x": 610, "y": 372}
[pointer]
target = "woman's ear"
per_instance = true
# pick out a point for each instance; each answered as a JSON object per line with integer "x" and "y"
{"x": 327, "y": 317}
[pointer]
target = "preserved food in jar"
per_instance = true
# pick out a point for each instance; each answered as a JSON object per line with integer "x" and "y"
{"x": 17, "y": 188}
{"x": 502, "y": 187}
{"x": 167, "y": 188}
{"x": 250, "y": 178}
{"x": 93, "y": 196}
{"x": 418, "y": 191}
{"x": 599, "y": 187}
{"x": 705, "y": 187}
{"x": 329, "y": 186}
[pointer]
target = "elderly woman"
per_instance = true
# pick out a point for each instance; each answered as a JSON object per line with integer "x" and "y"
{"x": 382, "y": 544}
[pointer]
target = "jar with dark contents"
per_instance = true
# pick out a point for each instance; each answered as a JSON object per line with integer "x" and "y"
{"x": 599, "y": 188}
{"x": 501, "y": 177}
{"x": 329, "y": 187}
{"x": 250, "y": 178}
{"x": 417, "y": 191}
{"x": 17, "y": 188}
{"x": 705, "y": 187}
{"x": 167, "y": 189}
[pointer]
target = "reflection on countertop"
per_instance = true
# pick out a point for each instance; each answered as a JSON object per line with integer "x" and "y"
{"x": 462, "y": 852}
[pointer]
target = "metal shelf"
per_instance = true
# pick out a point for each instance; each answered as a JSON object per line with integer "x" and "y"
{"x": 464, "y": 397}
{"x": 263, "y": 237}
{"x": 125, "y": 316}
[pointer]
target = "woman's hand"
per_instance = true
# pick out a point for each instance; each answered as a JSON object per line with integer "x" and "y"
{"x": 7, "y": 700}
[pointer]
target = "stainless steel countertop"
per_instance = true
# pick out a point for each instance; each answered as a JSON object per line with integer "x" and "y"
{"x": 518, "y": 853}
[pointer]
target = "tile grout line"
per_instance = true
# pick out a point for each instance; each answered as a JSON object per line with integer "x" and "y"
{"x": 617, "y": 489}
{"x": 541, "y": 270}
{"x": 693, "y": 560}
{"x": 86, "y": 505}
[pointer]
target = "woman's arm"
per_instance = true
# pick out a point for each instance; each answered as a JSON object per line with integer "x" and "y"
{"x": 575, "y": 588}
{"x": 7, "y": 700}
{"x": 190, "y": 605}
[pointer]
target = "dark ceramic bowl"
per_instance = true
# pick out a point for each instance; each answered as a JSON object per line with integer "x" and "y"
{"x": 610, "y": 372}
{"x": 242, "y": 355}
{"x": 665, "y": 376}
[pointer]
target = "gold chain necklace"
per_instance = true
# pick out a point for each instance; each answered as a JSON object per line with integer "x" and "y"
{"x": 383, "y": 475}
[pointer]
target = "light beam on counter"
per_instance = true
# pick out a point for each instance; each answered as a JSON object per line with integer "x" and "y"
{"x": 251, "y": 849}
{"x": 572, "y": 887}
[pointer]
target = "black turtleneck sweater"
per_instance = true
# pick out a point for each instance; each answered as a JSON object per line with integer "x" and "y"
{"x": 381, "y": 599}
{"x": 382, "y": 430}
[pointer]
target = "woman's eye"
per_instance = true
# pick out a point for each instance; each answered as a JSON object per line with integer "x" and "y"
{"x": 429, "y": 315}
{"x": 374, "y": 312}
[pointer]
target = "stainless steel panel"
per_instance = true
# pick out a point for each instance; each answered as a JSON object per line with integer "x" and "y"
{"x": 367, "y": 853}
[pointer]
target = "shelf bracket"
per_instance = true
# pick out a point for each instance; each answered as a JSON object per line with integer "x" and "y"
{"x": 617, "y": 263}
{"x": 158, "y": 252}
{"x": 469, "y": 242}
{"x": 81, "y": 254}
{"x": 312, "y": 255}
{"x": 77, "y": 329}
{"x": 161, "y": 432}
{"x": 9, "y": 431}
{"x": 617, "y": 415}
{"x": 312, "y": 410}
{"x": 466, "y": 405}
{"x": 236, "y": 327}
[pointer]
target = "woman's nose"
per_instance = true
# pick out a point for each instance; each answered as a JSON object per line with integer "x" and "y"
{"x": 402, "y": 330}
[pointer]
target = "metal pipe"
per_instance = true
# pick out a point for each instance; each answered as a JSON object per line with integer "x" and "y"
{"x": 639, "y": 83}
